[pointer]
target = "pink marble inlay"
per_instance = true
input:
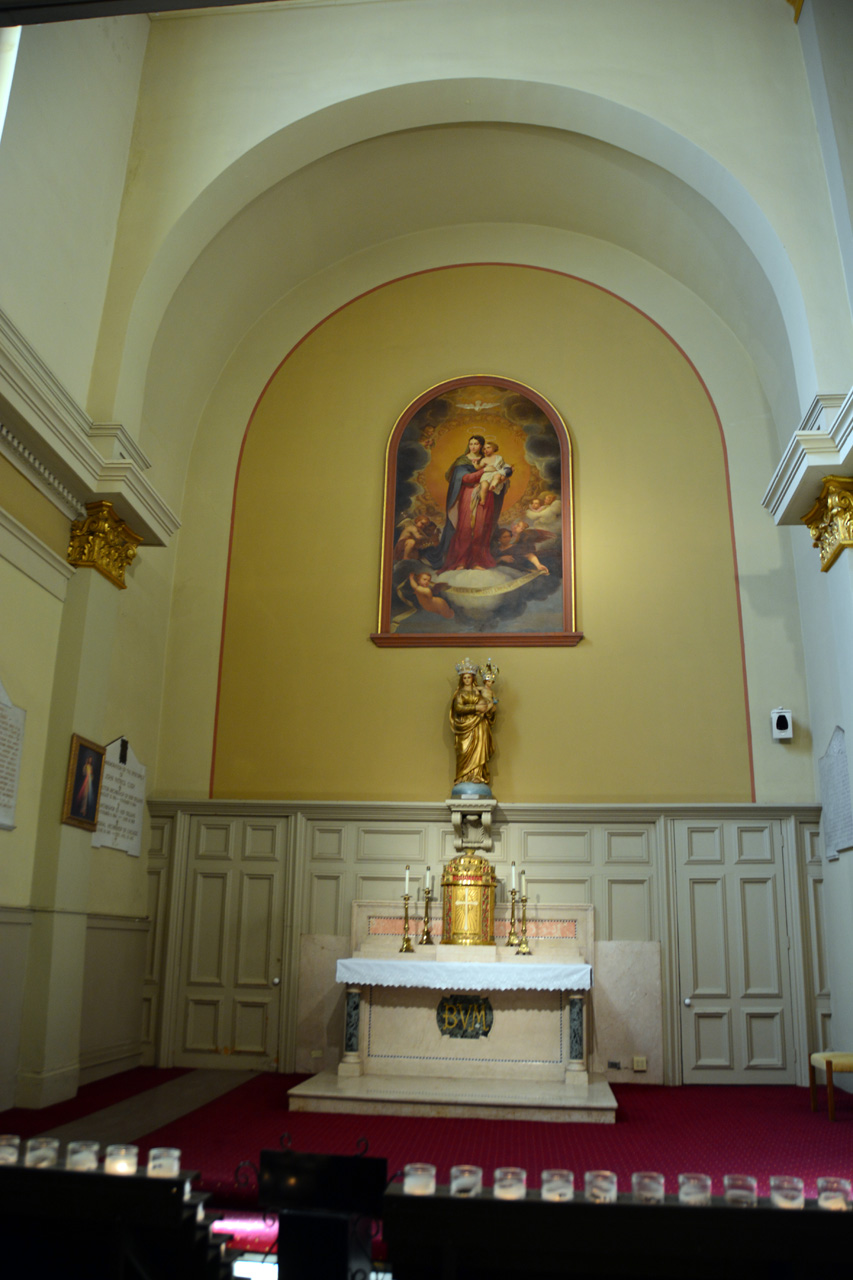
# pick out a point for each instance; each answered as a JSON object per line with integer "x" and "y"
{"x": 392, "y": 926}
{"x": 539, "y": 928}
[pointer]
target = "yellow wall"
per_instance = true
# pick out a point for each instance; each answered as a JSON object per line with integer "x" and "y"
{"x": 649, "y": 706}
{"x": 32, "y": 509}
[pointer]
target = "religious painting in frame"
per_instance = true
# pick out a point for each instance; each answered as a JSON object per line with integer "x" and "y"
{"x": 478, "y": 531}
{"x": 83, "y": 784}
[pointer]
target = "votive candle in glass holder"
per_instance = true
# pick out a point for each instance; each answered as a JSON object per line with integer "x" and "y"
{"x": 740, "y": 1190}
{"x": 647, "y": 1188}
{"x": 600, "y": 1186}
{"x": 10, "y": 1148}
{"x": 510, "y": 1184}
{"x": 419, "y": 1180}
{"x": 82, "y": 1156}
{"x": 466, "y": 1180}
{"x": 164, "y": 1162}
{"x": 694, "y": 1189}
{"x": 121, "y": 1159}
{"x": 41, "y": 1153}
{"x": 833, "y": 1193}
{"x": 558, "y": 1185}
{"x": 787, "y": 1192}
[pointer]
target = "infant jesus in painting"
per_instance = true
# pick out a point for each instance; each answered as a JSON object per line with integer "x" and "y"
{"x": 495, "y": 470}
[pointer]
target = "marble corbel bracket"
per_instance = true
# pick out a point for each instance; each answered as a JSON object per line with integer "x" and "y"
{"x": 472, "y": 822}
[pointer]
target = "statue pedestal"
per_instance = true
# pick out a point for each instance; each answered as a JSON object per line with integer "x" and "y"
{"x": 471, "y": 817}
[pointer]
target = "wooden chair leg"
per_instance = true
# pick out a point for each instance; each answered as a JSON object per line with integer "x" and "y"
{"x": 812, "y": 1085}
{"x": 830, "y": 1094}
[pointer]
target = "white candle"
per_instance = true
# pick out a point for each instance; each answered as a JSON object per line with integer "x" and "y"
{"x": 407, "y": 878}
{"x": 419, "y": 1180}
{"x": 82, "y": 1156}
{"x": 513, "y": 875}
{"x": 428, "y": 880}
{"x": 121, "y": 1160}
{"x": 523, "y": 884}
{"x": 164, "y": 1162}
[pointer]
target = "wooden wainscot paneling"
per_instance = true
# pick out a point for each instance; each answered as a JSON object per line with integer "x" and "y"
{"x": 15, "y": 925}
{"x": 111, "y": 1020}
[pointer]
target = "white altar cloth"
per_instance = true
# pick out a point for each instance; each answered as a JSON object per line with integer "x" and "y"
{"x": 464, "y": 976}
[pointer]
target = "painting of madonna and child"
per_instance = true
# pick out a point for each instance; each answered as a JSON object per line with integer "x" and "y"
{"x": 478, "y": 520}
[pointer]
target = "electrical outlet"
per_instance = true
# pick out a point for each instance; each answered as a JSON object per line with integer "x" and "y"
{"x": 614, "y": 1066}
{"x": 640, "y": 1063}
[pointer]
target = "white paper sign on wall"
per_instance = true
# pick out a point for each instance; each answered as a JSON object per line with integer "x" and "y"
{"x": 122, "y": 800}
{"x": 11, "y": 745}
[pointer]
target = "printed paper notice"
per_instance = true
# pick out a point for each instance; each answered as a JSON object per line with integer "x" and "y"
{"x": 837, "y": 820}
{"x": 11, "y": 744}
{"x": 122, "y": 800}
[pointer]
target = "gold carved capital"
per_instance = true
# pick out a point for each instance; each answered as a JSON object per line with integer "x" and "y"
{"x": 104, "y": 542}
{"x": 830, "y": 521}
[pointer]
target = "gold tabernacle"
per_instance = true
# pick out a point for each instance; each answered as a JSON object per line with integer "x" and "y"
{"x": 468, "y": 901}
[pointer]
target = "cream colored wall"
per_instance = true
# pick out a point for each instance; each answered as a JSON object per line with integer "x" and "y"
{"x": 132, "y": 710}
{"x": 62, "y": 172}
{"x": 274, "y": 91}
{"x": 625, "y": 715}
{"x": 30, "y": 619}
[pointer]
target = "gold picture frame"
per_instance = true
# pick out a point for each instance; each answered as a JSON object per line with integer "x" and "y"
{"x": 83, "y": 784}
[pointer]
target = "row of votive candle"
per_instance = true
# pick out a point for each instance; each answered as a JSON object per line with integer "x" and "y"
{"x": 600, "y": 1187}
{"x": 43, "y": 1153}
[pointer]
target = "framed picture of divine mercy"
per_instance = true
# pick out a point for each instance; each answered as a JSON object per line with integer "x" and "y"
{"x": 478, "y": 532}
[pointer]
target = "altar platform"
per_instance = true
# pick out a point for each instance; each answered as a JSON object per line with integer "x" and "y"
{"x": 584, "y": 1103}
{"x": 477, "y": 1031}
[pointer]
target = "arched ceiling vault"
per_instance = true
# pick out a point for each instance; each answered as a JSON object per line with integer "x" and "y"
{"x": 550, "y": 137}
{"x": 457, "y": 176}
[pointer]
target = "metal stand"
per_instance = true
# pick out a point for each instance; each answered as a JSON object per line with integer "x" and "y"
{"x": 425, "y": 940}
{"x": 524, "y": 947}
{"x": 407, "y": 941}
{"x": 512, "y": 940}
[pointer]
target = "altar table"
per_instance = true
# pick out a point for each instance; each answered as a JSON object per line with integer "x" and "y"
{"x": 527, "y": 1020}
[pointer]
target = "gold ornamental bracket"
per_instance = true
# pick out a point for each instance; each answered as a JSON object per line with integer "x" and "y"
{"x": 830, "y": 521}
{"x": 104, "y": 542}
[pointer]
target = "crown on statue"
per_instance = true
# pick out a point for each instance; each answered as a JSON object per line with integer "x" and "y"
{"x": 489, "y": 671}
{"x": 467, "y": 666}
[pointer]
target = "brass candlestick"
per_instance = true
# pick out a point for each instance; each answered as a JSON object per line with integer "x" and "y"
{"x": 407, "y": 941}
{"x": 513, "y": 936}
{"x": 425, "y": 940}
{"x": 523, "y": 948}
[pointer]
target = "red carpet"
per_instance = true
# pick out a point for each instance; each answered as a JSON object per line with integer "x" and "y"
{"x": 750, "y": 1129}
{"x": 91, "y": 1097}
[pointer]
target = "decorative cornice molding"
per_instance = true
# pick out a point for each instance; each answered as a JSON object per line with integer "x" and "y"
{"x": 104, "y": 542}
{"x": 30, "y": 555}
{"x": 38, "y": 474}
{"x": 436, "y": 811}
{"x": 57, "y": 446}
{"x": 830, "y": 521}
{"x": 113, "y": 441}
{"x": 822, "y": 443}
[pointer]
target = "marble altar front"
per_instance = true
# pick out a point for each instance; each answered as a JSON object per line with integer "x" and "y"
{"x": 466, "y": 1030}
